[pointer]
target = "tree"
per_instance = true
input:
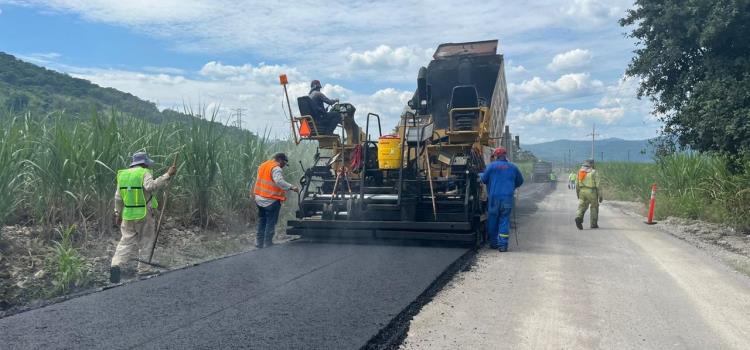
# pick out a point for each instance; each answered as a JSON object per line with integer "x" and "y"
{"x": 693, "y": 58}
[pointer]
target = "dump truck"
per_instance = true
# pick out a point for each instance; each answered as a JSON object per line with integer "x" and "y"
{"x": 422, "y": 181}
{"x": 541, "y": 171}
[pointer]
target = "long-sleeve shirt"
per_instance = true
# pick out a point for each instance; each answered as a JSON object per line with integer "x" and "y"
{"x": 278, "y": 177}
{"x": 502, "y": 178}
{"x": 149, "y": 185}
{"x": 318, "y": 99}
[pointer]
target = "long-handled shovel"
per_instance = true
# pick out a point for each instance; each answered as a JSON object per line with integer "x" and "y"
{"x": 432, "y": 190}
{"x": 161, "y": 216}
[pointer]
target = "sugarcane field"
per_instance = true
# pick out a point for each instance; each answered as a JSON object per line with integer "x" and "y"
{"x": 250, "y": 175}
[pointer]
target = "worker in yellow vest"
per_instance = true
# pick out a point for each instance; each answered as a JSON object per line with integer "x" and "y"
{"x": 135, "y": 212}
{"x": 589, "y": 193}
{"x": 270, "y": 191}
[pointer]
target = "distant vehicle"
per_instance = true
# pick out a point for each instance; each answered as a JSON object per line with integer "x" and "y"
{"x": 540, "y": 171}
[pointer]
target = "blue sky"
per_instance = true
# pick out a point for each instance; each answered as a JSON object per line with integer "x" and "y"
{"x": 564, "y": 59}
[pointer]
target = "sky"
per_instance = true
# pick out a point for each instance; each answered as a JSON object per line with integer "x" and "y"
{"x": 564, "y": 60}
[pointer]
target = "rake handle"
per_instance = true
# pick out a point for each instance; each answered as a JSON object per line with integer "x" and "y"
{"x": 161, "y": 213}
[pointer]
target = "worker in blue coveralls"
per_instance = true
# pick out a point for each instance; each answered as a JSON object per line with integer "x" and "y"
{"x": 502, "y": 178}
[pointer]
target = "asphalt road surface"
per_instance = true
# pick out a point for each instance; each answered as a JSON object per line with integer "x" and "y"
{"x": 297, "y": 295}
{"x": 626, "y": 285}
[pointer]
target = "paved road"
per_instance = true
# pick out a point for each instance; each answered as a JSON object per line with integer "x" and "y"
{"x": 624, "y": 286}
{"x": 297, "y": 295}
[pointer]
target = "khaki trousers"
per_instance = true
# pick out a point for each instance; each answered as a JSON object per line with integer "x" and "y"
{"x": 137, "y": 239}
{"x": 588, "y": 197}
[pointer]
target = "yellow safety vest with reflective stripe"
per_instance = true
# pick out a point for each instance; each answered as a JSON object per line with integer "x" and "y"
{"x": 130, "y": 186}
{"x": 264, "y": 185}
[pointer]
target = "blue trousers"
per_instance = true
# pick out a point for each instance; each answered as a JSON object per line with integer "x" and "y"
{"x": 267, "y": 218}
{"x": 498, "y": 221}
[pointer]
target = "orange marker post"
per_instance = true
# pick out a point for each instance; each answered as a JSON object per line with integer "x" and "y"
{"x": 283, "y": 80}
{"x": 652, "y": 206}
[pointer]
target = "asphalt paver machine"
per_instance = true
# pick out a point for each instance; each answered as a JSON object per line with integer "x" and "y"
{"x": 421, "y": 181}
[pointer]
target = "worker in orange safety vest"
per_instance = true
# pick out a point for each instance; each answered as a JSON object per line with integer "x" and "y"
{"x": 270, "y": 191}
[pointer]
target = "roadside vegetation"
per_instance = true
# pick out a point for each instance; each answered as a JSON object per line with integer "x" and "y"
{"x": 57, "y": 176}
{"x": 689, "y": 185}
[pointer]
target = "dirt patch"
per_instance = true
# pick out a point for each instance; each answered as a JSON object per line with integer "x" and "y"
{"x": 720, "y": 241}
{"x": 27, "y": 261}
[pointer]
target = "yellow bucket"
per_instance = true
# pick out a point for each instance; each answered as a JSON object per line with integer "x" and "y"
{"x": 389, "y": 152}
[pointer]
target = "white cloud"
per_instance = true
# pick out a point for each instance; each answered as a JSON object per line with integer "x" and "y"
{"x": 255, "y": 88}
{"x": 588, "y": 12}
{"x": 217, "y": 70}
{"x": 517, "y": 69}
{"x": 575, "y": 117}
{"x": 384, "y": 56}
{"x": 572, "y": 59}
{"x": 41, "y": 58}
{"x": 566, "y": 85}
{"x": 165, "y": 70}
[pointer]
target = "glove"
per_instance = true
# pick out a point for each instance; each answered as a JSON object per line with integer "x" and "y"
{"x": 600, "y": 199}
{"x": 118, "y": 219}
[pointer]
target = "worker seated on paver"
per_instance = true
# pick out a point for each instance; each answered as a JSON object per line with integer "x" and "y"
{"x": 502, "y": 178}
{"x": 135, "y": 213}
{"x": 326, "y": 121}
{"x": 589, "y": 194}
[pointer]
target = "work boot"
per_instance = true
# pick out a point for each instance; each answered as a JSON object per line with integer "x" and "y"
{"x": 114, "y": 274}
{"x": 594, "y": 226}
{"x": 579, "y": 223}
{"x": 502, "y": 248}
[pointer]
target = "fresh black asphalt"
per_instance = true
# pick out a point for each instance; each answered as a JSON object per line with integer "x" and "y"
{"x": 300, "y": 295}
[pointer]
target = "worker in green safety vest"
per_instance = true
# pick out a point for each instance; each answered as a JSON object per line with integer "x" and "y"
{"x": 135, "y": 213}
{"x": 589, "y": 193}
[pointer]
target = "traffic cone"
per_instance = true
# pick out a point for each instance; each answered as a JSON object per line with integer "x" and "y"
{"x": 304, "y": 128}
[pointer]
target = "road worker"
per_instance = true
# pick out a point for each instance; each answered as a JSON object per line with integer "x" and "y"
{"x": 572, "y": 180}
{"x": 135, "y": 213}
{"x": 270, "y": 191}
{"x": 553, "y": 179}
{"x": 589, "y": 194}
{"x": 502, "y": 178}
{"x": 328, "y": 120}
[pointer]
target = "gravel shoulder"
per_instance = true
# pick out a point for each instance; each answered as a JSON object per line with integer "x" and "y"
{"x": 721, "y": 242}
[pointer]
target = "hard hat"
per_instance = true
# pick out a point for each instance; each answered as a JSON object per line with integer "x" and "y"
{"x": 315, "y": 84}
{"x": 588, "y": 162}
{"x": 279, "y": 157}
{"x": 141, "y": 158}
{"x": 499, "y": 152}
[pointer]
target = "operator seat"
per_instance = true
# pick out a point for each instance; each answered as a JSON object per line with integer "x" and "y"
{"x": 322, "y": 124}
{"x": 464, "y": 96}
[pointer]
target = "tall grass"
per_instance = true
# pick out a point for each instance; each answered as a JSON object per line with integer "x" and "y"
{"x": 57, "y": 170}
{"x": 11, "y": 149}
{"x": 690, "y": 185}
{"x": 70, "y": 268}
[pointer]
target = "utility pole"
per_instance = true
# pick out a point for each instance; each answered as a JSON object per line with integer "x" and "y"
{"x": 628, "y": 156}
{"x": 602, "y": 156}
{"x": 238, "y": 113}
{"x": 593, "y": 135}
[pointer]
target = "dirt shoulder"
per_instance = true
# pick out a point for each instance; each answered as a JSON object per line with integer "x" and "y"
{"x": 27, "y": 259}
{"x": 721, "y": 242}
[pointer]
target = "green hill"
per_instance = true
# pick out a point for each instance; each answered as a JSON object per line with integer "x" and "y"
{"x": 612, "y": 149}
{"x": 25, "y": 87}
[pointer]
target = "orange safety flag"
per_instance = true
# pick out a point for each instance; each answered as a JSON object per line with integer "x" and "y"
{"x": 581, "y": 174}
{"x": 264, "y": 185}
{"x": 304, "y": 128}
